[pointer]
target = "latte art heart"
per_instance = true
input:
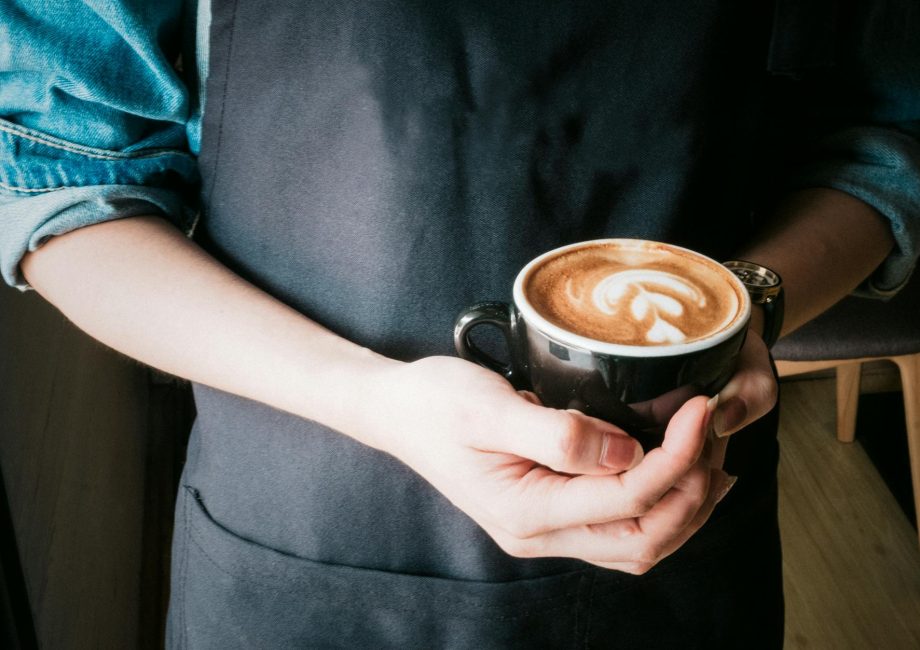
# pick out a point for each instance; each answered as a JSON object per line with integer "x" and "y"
{"x": 634, "y": 295}
{"x": 655, "y": 298}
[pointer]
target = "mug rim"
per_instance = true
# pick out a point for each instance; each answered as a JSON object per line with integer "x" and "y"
{"x": 571, "y": 339}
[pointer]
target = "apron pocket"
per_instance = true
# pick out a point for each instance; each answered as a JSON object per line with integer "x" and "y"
{"x": 236, "y": 593}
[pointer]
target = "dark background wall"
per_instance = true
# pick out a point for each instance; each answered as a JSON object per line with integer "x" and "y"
{"x": 91, "y": 445}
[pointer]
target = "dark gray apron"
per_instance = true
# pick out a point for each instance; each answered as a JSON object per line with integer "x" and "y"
{"x": 379, "y": 166}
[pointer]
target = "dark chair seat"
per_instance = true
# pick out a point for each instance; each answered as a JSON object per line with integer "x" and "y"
{"x": 859, "y": 328}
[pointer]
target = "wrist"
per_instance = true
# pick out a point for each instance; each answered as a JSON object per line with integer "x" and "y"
{"x": 765, "y": 288}
{"x": 756, "y": 324}
{"x": 354, "y": 396}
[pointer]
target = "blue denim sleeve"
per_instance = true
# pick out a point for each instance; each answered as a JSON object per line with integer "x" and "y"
{"x": 859, "y": 73}
{"x": 881, "y": 167}
{"x": 94, "y": 120}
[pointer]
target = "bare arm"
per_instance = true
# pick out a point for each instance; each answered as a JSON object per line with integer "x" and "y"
{"x": 823, "y": 243}
{"x": 143, "y": 289}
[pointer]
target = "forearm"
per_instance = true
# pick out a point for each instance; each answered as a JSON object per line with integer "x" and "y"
{"x": 823, "y": 243}
{"x": 140, "y": 287}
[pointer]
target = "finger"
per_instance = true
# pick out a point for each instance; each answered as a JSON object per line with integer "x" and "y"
{"x": 634, "y": 568}
{"x": 714, "y": 449}
{"x": 720, "y": 484}
{"x": 579, "y": 542}
{"x": 548, "y": 501}
{"x": 662, "y": 407}
{"x": 750, "y": 394}
{"x": 566, "y": 441}
{"x": 717, "y": 451}
{"x": 678, "y": 507}
{"x": 683, "y": 443}
{"x": 625, "y": 540}
{"x": 530, "y": 397}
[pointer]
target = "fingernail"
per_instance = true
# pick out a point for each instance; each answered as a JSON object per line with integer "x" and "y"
{"x": 615, "y": 448}
{"x": 729, "y": 416}
{"x": 710, "y": 410}
{"x": 712, "y": 403}
{"x": 729, "y": 484}
{"x": 530, "y": 397}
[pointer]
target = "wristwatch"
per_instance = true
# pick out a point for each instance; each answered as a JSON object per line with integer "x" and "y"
{"x": 766, "y": 289}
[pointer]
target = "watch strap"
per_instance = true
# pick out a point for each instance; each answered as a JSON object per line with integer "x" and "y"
{"x": 773, "y": 312}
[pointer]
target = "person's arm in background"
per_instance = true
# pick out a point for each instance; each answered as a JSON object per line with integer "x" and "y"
{"x": 821, "y": 233}
{"x": 847, "y": 158}
{"x": 824, "y": 243}
{"x": 846, "y": 78}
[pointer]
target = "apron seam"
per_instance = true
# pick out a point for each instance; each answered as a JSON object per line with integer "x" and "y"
{"x": 184, "y": 573}
{"x": 399, "y": 609}
{"x": 225, "y": 81}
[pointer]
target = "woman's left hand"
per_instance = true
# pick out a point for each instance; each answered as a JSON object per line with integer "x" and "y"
{"x": 749, "y": 395}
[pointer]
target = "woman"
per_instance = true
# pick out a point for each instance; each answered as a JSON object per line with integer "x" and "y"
{"x": 368, "y": 169}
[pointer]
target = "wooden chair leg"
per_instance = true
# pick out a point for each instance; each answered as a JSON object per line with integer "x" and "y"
{"x": 910, "y": 381}
{"x": 847, "y": 399}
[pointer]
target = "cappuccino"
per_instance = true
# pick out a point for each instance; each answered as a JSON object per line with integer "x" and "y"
{"x": 636, "y": 293}
{"x": 621, "y": 329}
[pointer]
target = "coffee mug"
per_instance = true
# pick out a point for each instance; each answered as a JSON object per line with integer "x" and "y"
{"x": 626, "y": 330}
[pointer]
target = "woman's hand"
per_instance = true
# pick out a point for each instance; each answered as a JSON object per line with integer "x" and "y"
{"x": 749, "y": 395}
{"x": 543, "y": 482}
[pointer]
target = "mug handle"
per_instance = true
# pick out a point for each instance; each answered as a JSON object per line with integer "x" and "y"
{"x": 496, "y": 314}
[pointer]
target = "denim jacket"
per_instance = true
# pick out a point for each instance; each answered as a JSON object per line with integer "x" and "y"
{"x": 97, "y": 122}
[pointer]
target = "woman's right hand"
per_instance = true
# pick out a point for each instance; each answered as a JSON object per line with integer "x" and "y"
{"x": 540, "y": 481}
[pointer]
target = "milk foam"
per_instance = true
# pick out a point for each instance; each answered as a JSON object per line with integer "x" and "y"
{"x": 640, "y": 291}
{"x": 647, "y": 296}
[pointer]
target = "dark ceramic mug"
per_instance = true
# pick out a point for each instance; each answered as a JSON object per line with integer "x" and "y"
{"x": 635, "y": 387}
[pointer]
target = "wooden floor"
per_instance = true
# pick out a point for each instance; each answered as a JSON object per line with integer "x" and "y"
{"x": 851, "y": 559}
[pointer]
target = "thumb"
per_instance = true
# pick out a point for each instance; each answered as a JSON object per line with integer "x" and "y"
{"x": 570, "y": 441}
{"x": 750, "y": 394}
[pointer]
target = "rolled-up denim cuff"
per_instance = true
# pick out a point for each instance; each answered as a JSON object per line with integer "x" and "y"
{"x": 881, "y": 167}
{"x": 32, "y": 162}
{"x": 28, "y": 221}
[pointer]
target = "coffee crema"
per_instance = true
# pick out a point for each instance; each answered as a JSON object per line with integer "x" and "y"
{"x": 634, "y": 293}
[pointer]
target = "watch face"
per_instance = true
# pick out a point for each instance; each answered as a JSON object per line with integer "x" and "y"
{"x": 762, "y": 283}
